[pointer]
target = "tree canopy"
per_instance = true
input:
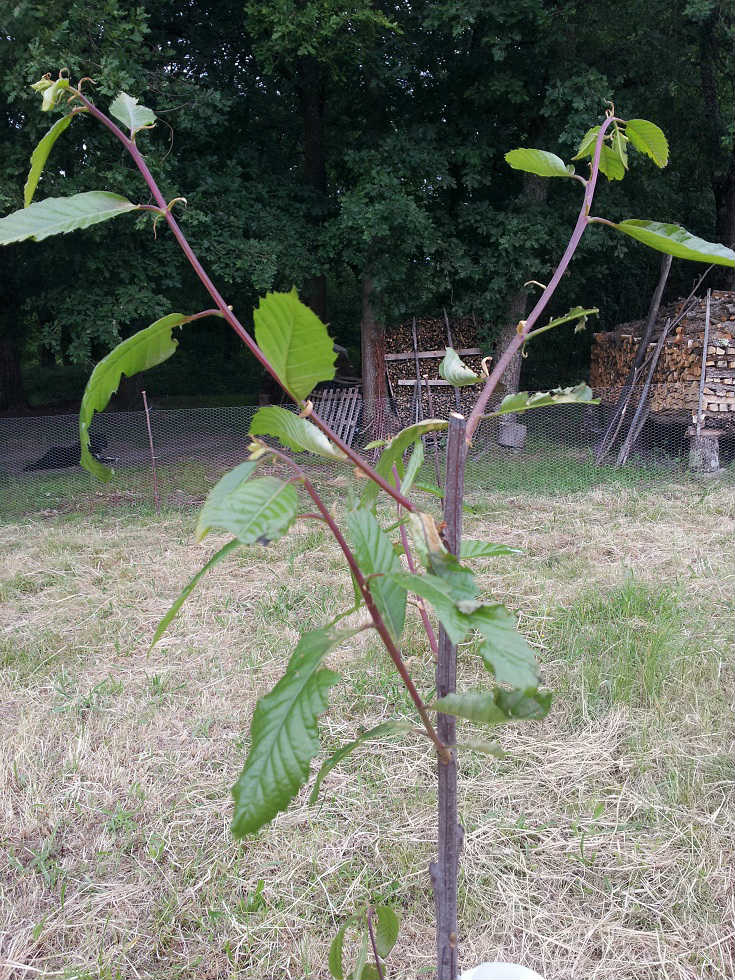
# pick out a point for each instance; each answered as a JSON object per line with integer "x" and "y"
{"x": 337, "y": 145}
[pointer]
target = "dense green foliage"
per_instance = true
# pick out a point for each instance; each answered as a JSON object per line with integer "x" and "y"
{"x": 354, "y": 140}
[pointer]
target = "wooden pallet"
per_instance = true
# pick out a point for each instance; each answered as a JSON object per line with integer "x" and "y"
{"x": 340, "y": 409}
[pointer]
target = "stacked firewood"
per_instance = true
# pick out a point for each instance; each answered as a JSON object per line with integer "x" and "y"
{"x": 675, "y": 383}
{"x": 437, "y": 398}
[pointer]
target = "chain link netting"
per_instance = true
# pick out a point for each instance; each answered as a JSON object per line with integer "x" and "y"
{"x": 551, "y": 450}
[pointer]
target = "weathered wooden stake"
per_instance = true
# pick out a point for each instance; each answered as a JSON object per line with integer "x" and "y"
{"x": 444, "y": 870}
{"x": 153, "y": 454}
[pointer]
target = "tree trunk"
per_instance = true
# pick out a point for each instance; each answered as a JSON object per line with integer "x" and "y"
{"x": 12, "y": 392}
{"x": 311, "y": 93}
{"x": 372, "y": 335}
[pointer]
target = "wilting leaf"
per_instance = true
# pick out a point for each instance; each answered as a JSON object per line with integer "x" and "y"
{"x": 394, "y": 450}
{"x": 385, "y": 729}
{"x": 40, "y": 156}
{"x": 524, "y": 401}
{"x": 133, "y": 116}
{"x": 455, "y": 371}
{"x": 495, "y": 707}
{"x": 143, "y": 350}
{"x": 189, "y": 588}
{"x": 587, "y": 145}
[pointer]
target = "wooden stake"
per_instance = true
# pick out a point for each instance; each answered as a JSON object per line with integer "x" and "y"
{"x": 444, "y": 870}
{"x": 153, "y": 454}
{"x": 704, "y": 364}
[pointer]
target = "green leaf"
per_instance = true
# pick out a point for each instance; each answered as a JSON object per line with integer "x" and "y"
{"x": 524, "y": 401}
{"x": 295, "y": 341}
{"x": 455, "y": 371}
{"x": 284, "y": 735}
{"x": 539, "y": 162}
{"x": 587, "y": 146}
{"x": 253, "y": 510}
{"x": 674, "y": 240}
{"x": 413, "y": 467}
{"x": 386, "y": 929}
{"x": 647, "y": 138}
{"x": 143, "y": 350}
{"x": 52, "y": 93}
{"x": 504, "y": 650}
{"x": 133, "y": 116}
{"x": 375, "y": 556}
{"x": 394, "y": 450}
{"x": 294, "y": 432}
{"x": 532, "y": 705}
{"x": 436, "y": 558}
{"x": 485, "y": 549}
{"x": 369, "y": 972}
{"x": 440, "y": 595}
{"x": 496, "y": 707}
{"x": 188, "y": 589}
{"x": 610, "y": 163}
{"x": 482, "y": 746}
{"x": 60, "y": 215}
{"x": 386, "y": 728}
{"x": 620, "y": 147}
{"x": 40, "y": 156}
{"x": 334, "y": 961}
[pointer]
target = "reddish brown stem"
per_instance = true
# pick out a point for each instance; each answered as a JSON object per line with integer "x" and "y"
{"x": 443, "y": 751}
{"x": 225, "y": 310}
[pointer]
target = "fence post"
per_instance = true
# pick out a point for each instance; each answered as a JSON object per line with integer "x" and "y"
{"x": 153, "y": 454}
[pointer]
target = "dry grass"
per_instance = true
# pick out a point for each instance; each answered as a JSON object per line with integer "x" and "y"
{"x": 600, "y": 847}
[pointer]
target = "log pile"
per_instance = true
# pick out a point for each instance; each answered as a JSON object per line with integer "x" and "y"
{"x": 438, "y": 398}
{"x": 675, "y": 386}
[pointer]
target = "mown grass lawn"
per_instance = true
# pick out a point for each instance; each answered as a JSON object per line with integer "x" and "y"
{"x": 600, "y": 847}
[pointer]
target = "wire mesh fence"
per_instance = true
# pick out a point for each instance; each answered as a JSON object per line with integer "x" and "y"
{"x": 550, "y": 450}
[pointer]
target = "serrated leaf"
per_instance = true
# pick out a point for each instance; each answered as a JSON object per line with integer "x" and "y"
{"x": 375, "y": 556}
{"x": 40, "y": 156}
{"x": 455, "y": 371}
{"x": 496, "y": 707}
{"x": 293, "y": 431}
{"x": 295, "y": 341}
{"x": 504, "y": 650}
{"x": 334, "y": 961}
{"x": 485, "y": 549}
{"x": 255, "y": 511}
{"x": 525, "y": 401}
{"x": 587, "y": 145}
{"x": 386, "y": 929}
{"x": 145, "y": 349}
{"x": 384, "y": 729}
{"x": 539, "y": 162}
{"x": 284, "y": 734}
{"x": 134, "y": 117}
{"x": 675, "y": 240}
{"x": 440, "y": 595}
{"x": 576, "y": 313}
{"x": 189, "y": 588}
{"x": 394, "y": 450}
{"x": 60, "y": 215}
{"x": 648, "y": 138}
{"x": 610, "y": 163}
